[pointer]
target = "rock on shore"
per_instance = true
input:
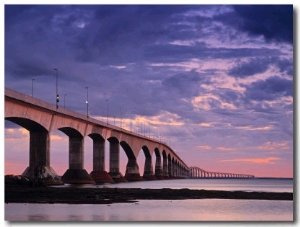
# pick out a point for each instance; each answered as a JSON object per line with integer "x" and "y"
{"x": 27, "y": 193}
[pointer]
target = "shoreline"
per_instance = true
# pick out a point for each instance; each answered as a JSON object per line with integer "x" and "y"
{"x": 52, "y": 195}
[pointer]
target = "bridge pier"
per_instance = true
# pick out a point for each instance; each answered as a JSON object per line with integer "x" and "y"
{"x": 158, "y": 168}
{"x": 114, "y": 161}
{"x": 170, "y": 173}
{"x": 39, "y": 160}
{"x": 132, "y": 170}
{"x": 99, "y": 174}
{"x": 165, "y": 168}
{"x": 148, "y": 170}
{"x": 76, "y": 174}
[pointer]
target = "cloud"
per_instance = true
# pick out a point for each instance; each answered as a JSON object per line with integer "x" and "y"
{"x": 274, "y": 22}
{"x": 250, "y": 67}
{"x": 16, "y": 133}
{"x": 267, "y": 160}
{"x": 206, "y": 124}
{"x": 251, "y": 128}
{"x": 56, "y": 137}
{"x": 270, "y": 146}
{"x": 210, "y": 101}
{"x": 184, "y": 84}
{"x": 227, "y": 149}
{"x": 204, "y": 147}
{"x": 258, "y": 65}
{"x": 269, "y": 89}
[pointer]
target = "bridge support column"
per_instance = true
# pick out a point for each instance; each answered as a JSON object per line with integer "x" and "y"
{"x": 158, "y": 168}
{"x": 170, "y": 168}
{"x": 165, "y": 168}
{"x": 99, "y": 174}
{"x": 39, "y": 169}
{"x": 76, "y": 174}
{"x": 132, "y": 170}
{"x": 176, "y": 170}
{"x": 148, "y": 170}
{"x": 114, "y": 161}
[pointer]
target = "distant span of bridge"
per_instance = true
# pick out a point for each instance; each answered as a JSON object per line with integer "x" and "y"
{"x": 40, "y": 118}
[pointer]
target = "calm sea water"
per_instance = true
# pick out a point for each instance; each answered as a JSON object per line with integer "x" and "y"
{"x": 256, "y": 184}
{"x": 169, "y": 210}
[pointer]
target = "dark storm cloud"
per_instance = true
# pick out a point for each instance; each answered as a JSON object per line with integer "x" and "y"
{"x": 274, "y": 22}
{"x": 249, "y": 68}
{"x": 176, "y": 53}
{"x": 183, "y": 84}
{"x": 286, "y": 66}
{"x": 257, "y": 65}
{"x": 269, "y": 89}
{"x": 27, "y": 68}
{"x": 119, "y": 33}
{"x": 229, "y": 95}
{"x": 13, "y": 11}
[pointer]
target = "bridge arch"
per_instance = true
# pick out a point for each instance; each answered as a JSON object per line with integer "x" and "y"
{"x": 132, "y": 168}
{"x": 148, "y": 166}
{"x": 39, "y": 150}
{"x": 28, "y": 124}
{"x": 76, "y": 172}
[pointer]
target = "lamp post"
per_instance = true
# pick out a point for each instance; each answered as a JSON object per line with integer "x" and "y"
{"x": 65, "y": 100}
{"x": 121, "y": 116}
{"x": 57, "y": 95}
{"x": 87, "y": 101}
{"x": 32, "y": 87}
{"x": 107, "y": 111}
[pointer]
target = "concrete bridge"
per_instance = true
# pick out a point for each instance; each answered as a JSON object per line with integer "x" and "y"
{"x": 196, "y": 172}
{"x": 40, "y": 118}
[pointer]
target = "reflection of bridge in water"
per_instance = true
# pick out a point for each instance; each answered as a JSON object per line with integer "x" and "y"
{"x": 40, "y": 118}
{"x": 196, "y": 172}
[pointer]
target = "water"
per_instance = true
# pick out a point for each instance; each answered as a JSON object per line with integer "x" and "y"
{"x": 262, "y": 185}
{"x": 169, "y": 210}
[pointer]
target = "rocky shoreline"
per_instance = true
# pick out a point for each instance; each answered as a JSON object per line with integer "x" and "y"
{"x": 75, "y": 195}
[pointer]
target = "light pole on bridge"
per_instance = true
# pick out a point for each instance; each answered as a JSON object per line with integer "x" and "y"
{"x": 32, "y": 87}
{"x": 87, "y": 101}
{"x": 121, "y": 115}
{"x": 57, "y": 95}
{"x": 107, "y": 111}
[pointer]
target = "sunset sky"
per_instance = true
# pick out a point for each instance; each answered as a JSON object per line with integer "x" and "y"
{"x": 215, "y": 82}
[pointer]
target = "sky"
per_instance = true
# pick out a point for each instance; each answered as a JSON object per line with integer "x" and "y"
{"x": 214, "y": 82}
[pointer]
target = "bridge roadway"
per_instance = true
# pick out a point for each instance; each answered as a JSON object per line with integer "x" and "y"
{"x": 40, "y": 118}
{"x": 196, "y": 172}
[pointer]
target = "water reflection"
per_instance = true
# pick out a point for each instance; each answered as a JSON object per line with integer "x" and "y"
{"x": 156, "y": 210}
{"x": 75, "y": 218}
{"x": 38, "y": 217}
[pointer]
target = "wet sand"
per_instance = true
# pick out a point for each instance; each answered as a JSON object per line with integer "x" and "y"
{"x": 72, "y": 195}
